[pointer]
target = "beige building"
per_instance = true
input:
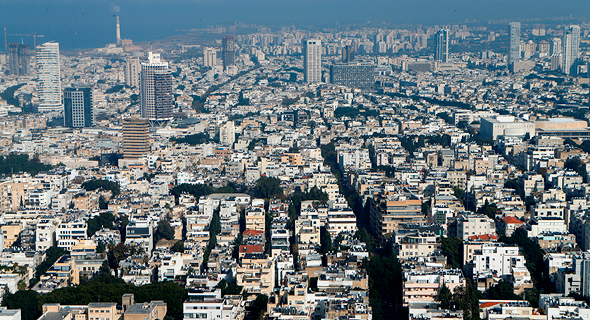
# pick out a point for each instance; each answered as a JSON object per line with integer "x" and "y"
{"x": 256, "y": 274}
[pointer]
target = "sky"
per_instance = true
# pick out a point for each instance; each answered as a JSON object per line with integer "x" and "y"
{"x": 78, "y": 24}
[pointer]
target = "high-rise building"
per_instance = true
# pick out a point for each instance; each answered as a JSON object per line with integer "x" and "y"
{"x": 347, "y": 54}
{"x": 156, "y": 90}
{"x": 514, "y": 45}
{"x": 48, "y": 72}
{"x": 227, "y": 134}
{"x": 312, "y": 60}
{"x": 441, "y": 46}
{"x": 353, "y": 75}
{"x": 209, "y": 57}
{"x": 228, "y": 44}
{"x": 78, "y": 107}
{"x": 136, "y": 141}
{"x": 19, "y": 59}
{"x": 555, "y": 46}
{"x": 570, "y": 48}
{"x": 132, "y": 72}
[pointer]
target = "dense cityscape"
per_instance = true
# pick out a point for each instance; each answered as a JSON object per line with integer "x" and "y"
{"x": 244, "y": 171}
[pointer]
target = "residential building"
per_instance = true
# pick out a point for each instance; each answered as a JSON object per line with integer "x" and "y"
{"x": 49, "y": 75}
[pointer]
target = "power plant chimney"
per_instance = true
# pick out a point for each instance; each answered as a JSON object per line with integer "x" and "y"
{"x": 118, "y": 31}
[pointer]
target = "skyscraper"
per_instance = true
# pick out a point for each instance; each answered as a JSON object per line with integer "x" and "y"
{"x": 156, "y": 90}
{"x": 132, "y": 71}
{"x": 514, "y": 34}
{"x": 209, "y": 57}
{"x": 136, "y": 142}
{"x": 229, "y": 51}
{"x": 312, "y": 60}
{"x": 19, "y": 59}
{"x": 441, "y": 46}
{"x": 48, "y": 72}
{"x": 78, "y": 107}
{"x": 347, "y": 54}
{"x": 571, "y": 48}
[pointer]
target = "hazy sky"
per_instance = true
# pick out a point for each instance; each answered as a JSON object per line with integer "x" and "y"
{"x": 90, "y": 23}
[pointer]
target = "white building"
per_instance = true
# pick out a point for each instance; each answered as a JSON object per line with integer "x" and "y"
{"x": 49, "y": 75}
{"x": 312, "y": 60}
{"x": 507, "y": 126}
{"x": 209, "y": 57}
{"x": 571, "y": 47}
{"x": 132, "y": 72}
{"x": 205, "y": 304}
{"x": 475, "y": 225}
{"x": 9, "y": 314}
{"x": 227, "y": 134}
{"x": 498, "y": 259}
{"x": 69, "y": 233}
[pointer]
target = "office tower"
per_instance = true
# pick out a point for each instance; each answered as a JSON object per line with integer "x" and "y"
{"x": 514, "y": 35}
{"x": 209, "y": 57}
{"x": 227, "y": 134}
{"x": 228, "y": 44}
{"x": 78, "y": 107}
{"x": 156, "y": 90}
{"x": 347, "y": 54}
{"x": 49, "y": 76}
{"x": 353, "y": 75}
{"x": 570, "y": 48}
{"x": 132, "y": 72}
{"x": 441, "y": 46}
{"x": 19, "y": 59}
{"x": 136, "y": 142}
{"x": 312, "y": 60}
{"x": 118, "y": 32}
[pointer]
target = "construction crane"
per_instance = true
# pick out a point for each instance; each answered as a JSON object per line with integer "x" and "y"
{"x": 35, "y": 36}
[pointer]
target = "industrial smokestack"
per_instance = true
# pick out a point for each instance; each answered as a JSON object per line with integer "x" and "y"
{"x": 118, "y": 31}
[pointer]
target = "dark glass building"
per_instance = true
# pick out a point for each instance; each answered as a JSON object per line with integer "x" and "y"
{"x": 78, "y": 107}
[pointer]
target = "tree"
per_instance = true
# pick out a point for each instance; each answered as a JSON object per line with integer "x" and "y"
{"x": 95, "y": 184}
{"x": 326, "y": 241}
{"x": 102, "y": 203}
{"x": 452, "y": 248}
{"x": 445, "y": 297}
{"x": 178, "y": 246}
{"x": 116, "y": 254}
{"x": 503, "y": 290}
{"x": 467, "y": 299}
{"x": 103, "y": 220}
{"x": 259, "y": 306}
{"x": 164, "y": 231}
{"x": 267, "y": 188}
{"x": 51, "y": 255}
{"x": 25, "y": 300}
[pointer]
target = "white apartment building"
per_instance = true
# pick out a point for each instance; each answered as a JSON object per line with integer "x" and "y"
{"x": 49, "y": 75}
{"x": 498, "y": 259}
{"x": 475, "y": 225}
{"x": 69, "y": 233}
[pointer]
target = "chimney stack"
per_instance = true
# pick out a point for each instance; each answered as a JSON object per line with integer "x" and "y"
{"x": 118, "y": 32}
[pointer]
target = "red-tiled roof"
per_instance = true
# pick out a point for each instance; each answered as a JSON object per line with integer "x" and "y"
{"x": 488, "y": 304}
{"x": 483, "y": 237}
{"x": 249, "y": 233}
{"x": 512, "y": 220}
{"x": 252, "y": 248}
